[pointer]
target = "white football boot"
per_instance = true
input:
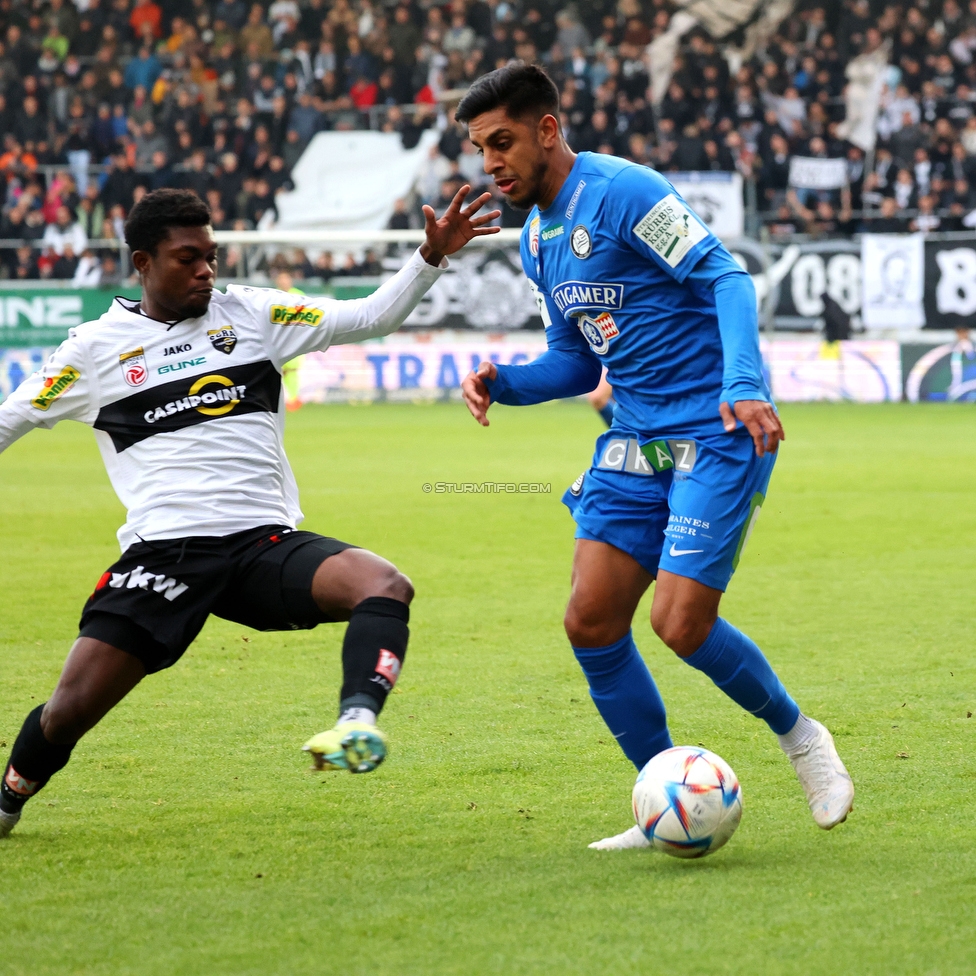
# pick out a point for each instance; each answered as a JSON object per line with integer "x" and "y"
{"x": 634, "y": 837}
{"x": 7, "y": 822}
{"x": 824, "y": 779}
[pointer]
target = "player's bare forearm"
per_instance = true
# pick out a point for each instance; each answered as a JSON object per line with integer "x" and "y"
{"x": 760, "y": 419}
{"x": 476, "y": 394}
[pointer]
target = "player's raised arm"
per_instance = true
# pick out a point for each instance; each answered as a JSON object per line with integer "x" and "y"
{"x": 300, "y": 325}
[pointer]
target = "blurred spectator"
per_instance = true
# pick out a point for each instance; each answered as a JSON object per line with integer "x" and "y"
{"x": 65, "y": 232}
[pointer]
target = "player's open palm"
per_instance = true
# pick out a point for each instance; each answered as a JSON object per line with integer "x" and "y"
{"x": 458, "y": 225}
{"x": 760, "y": 419}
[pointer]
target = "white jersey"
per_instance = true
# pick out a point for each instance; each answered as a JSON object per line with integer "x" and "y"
{"x": 189, "y": 417}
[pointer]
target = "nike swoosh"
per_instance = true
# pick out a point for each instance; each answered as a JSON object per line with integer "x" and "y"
{"x": 682, "y": 552}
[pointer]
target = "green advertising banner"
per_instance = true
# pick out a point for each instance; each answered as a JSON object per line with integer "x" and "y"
{"x": 42, "y": 316}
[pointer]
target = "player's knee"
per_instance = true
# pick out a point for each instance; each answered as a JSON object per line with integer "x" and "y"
{"x": 587, "y": 625}
{"x": 64, "y": 720}
{"x": 682, "y": 632}
{"x": 392, "y": 584}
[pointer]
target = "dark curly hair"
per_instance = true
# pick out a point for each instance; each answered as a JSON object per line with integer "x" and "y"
{"x": 521, "y": 89}
{"x": 150, "y": 219}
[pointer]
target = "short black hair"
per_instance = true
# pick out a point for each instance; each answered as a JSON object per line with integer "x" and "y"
{"x": 521, "y": 89}
{"x": 150, "y": 219}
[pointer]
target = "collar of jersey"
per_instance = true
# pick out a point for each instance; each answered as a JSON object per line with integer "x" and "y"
{"x": 128, "y": 305}
{"x": 565, "y": 191}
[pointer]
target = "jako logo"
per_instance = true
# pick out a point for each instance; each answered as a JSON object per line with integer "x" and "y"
{"x": 213, "y": 403}
{"x": 176, "y": 350}
{"x": 295, "y": 315}
{"x": 138, "y": 579}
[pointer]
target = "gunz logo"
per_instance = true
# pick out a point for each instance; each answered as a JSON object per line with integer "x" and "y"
{"x": 223, "y": 340}
{"x": 183, "y": 364}
{"x": 139, "y": 579}
{"x": 296, "y": 315}
{"x": 55, "y": 386}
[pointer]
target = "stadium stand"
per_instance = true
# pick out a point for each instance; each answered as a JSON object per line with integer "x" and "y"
{"x": 102, "y": 100}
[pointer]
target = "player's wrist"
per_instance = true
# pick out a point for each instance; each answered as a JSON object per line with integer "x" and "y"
{"x": 434, "y": 258}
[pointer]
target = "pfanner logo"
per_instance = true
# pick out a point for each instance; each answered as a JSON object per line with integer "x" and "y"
{"x": 572, "y": 297}
{"x": 55, "y": 386}
{"x": 296, "y": 315}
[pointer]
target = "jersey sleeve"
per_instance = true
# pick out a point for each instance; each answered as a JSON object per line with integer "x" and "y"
{"x": 655, "y": 221}
{"x": 62, "y": 389}
{"x": 294, "y": 324}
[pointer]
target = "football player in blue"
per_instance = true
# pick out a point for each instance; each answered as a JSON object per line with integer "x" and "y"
{"x": 627, "y": 277}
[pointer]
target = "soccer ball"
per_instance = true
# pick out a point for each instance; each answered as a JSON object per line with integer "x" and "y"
{"x": 687, "y": 801}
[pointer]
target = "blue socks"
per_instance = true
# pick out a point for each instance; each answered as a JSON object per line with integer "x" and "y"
{"x": 625, "y": 695}
{"x": 739, "y": 668}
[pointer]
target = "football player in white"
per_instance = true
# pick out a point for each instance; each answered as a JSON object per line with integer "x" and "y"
{"x": 183, "y": 390}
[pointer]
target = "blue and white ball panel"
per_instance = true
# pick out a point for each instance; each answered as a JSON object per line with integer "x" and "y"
{"x": 687, "y": 801}
{"x": 686, "y": 505}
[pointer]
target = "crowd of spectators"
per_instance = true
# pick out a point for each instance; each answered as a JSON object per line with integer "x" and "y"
{"x": 103, "y": 100}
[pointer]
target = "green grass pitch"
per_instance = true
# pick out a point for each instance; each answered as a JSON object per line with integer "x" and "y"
{"x": 188, "y": 835}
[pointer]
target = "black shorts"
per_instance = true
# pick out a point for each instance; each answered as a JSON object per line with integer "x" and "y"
{"x": 154, "y": 601}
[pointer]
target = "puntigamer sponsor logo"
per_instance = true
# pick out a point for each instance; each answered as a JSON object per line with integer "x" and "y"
{"x": 295, "y": 315}
{"x": 215, "y": 402}
{"x": 55, "y": 386}
{"x": 573, "y": 295}
{"x": 184, "y": 364}
{"x": 550, "y": 232}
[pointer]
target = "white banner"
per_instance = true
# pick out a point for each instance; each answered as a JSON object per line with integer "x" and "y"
{"x": 407, "y": 366}
{"x": 811, "y": 173}
{"x": 860, "y": 371}
{"x": 893, "y": 281}
{"x": 716, "y": 198}
{"x": 351, "y": 180}
{"x": 862, "y": 96}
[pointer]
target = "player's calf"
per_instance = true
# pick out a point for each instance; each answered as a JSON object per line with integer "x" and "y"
{"x": 373, "y": 652}
{"x": 33, "y": 761}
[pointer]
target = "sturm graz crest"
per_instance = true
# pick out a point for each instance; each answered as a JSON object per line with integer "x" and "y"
{"x": 580, "y": 242}
{"x": 223, "y": 340}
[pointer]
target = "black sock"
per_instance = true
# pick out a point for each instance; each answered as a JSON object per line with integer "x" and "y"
{"x": 373, "y": 651}
{"x": 33, "y": 761}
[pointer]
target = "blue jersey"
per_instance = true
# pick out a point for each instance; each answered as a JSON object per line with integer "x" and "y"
{"x": 616, "y": 264}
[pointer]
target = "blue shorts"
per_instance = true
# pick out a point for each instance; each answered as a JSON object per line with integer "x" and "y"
{"x": 686, "y": 505}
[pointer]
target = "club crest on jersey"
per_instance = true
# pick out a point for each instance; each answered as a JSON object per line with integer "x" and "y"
{"x": 223, "y": 340}
{"x": 580, "y": 242}
{"x": 534, "y": 237}
{"x": 296, "y": 315}
{"x": 133, "y": 365}
{"x": 598, "y": 332}
{"x": 55, "y": 386}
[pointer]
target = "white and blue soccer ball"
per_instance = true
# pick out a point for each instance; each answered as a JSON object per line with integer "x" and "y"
{"x": 687, "y": 801}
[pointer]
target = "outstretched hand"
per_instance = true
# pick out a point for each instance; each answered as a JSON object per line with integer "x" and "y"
{"x": 450, "y": 233}
{"x": 760, "y": 419}
{"x": 476, "y": 394}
